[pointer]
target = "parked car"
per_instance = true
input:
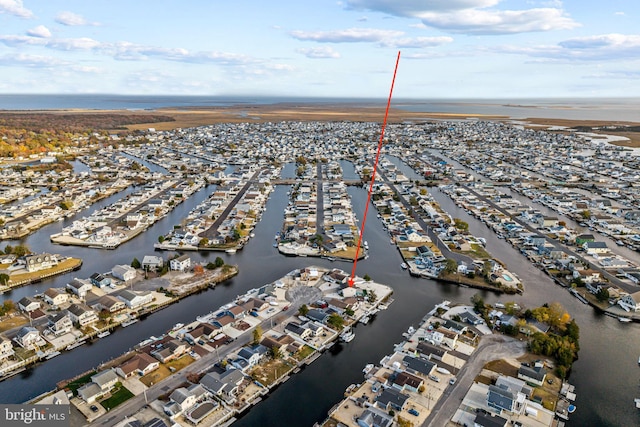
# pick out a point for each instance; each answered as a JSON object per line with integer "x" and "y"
{"x": 94, "y": 408}
{"x": 434, "y": 378}
{"x": 453, "y": 380}
{"x": 413, "y": 412}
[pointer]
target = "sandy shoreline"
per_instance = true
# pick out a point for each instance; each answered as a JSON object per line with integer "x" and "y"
{"x": 199, "y": 116}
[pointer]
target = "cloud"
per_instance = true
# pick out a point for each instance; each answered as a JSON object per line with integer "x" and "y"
{"x": 351, "y": 35}
{"x": 31, "y": 61}
{"x": 412, "y": 8}
{"x": 14, "y": 7}
{"x": 499, "y": 22}
{"x": 71, "y": 19}
{"x": 609, "y": 47}
{"x": 39, "y": 31}
{"x": 620, "y": 74}
{"x": 319, "y": 52}
{"x": 477, "y": 17}
{"x": 417, "y": 42}
{"x": 619, "y": 13}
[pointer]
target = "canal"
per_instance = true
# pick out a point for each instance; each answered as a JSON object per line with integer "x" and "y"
{"x": 605, "y": 377}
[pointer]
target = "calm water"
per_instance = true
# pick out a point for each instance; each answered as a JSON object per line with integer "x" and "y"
{"x": 572, "y": 108}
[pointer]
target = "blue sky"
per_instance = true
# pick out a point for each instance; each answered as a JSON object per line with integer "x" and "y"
{"x": 450, "y": 48}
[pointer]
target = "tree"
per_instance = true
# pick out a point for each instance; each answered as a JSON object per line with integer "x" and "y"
{"x": 21, "y": 250}
{"x": 198, "y": 270}
{"x": 478, "y": 303}
{"x": 203, "y": 242}
{"x": 136, "y": 263}
{"x": 367, "y": 278}
{"x": 4, "y": 279}
{"x": 602, "y": 295}
{"x": 586, "y": 214}
{"x": 460, "y": 224}
{"x": 160, "y": 239}
{"x": 349, "y": 311}
{"x": 257, "y": 334}
{"x": 451, "y": 266}
{"x": 219, "y": 262}
{"x": 303, "y": 310}
{"x": 371, "y": 296}
{"x": 275, "y": 352}
{"x": 335, "y": 321}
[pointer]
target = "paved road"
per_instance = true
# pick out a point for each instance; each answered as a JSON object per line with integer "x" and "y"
{"x": 491, "y": 347}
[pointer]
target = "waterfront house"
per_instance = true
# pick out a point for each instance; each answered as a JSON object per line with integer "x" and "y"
{"x": 135, "y": 299}
{"x": 630, "y": 302}
{"x": 595, "y": 248}
{"x": 391, "y": 399}
{"x": 170, "y": 350}
{"x": 60, "y": 323}
{"x": 255, "y": 304}
{"x": 203, "y": 331}
{"x": 101, "y": 383}
{"x": 6, "y": 349}
{"x": 534, "y": 375}
{"x": 29, "y": 338}
{"x": 500, "y": 398}
{"x": 82, "y": 314}
{"x": 248, "y": 357}
{"x": 224, "y": 384}
{"x": 152, "y": 263}
{"x": 487, "y": 420}
{"x": 298, "y": 330}
{"x": 123, "y": 272}
{"x": 37, "y": 262}
{"x": 79, "y": 287}
{"x": 183, "y": 399}
{"x": 449, "y": 338}
{"x": 282, "y": 343}
{"x": 105, "y": 379}
{"x": 28, "y": 304}
{"x": 140, "y": 364}
{"x": 419, "y": 366}
{"x": 373, "y": 417}
{"x": 317, "y": 315}
{"x": 406, "y": 381}
{"x": 584, "y": 238}
{"x": 99, "y": 280}
{"x": 431, "y": 351}
{"x": 55, "y": 297}
{"x": 108, "y": 303}
{"x": 182, "y": 263}
{"x": 90, "y": 392}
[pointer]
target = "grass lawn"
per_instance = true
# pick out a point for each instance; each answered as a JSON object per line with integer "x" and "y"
{"x": 77, "y": 383}
{"x": 67, "y": 263}
{"x": 163, "y": 371}
{"x": 478, "y": 252}
{"x": 304, "y": 352}
{"x": 12, "y": 322}
{"x": 268, "y": 373}
{"x": 502, "y": 367}
{"x": 117, "y": 398}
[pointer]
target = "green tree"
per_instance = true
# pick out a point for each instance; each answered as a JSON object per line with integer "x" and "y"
{"x": 451, "y": 266}
{"x": 586, "y": 214}
{"x": 303, "y": 310}
{"x": 219, "y": 262}
{"x": 367, "y": 278}
{"x": 203, "y": 242}
{"x": 136, "y": 263}
{"x": 4, "y": 279}
{"x": 603, "y": 295}
{"x": 21, "y": 250}
{"x": 460, "y": 224}
{"x": 478, "y": 303}
{"x": 349, "y": 311}
{"x": 335, "y": 321}
{"x": 160, "y": 239}
{"x": 275, "y": 352}
{"x": 371, "y": 296}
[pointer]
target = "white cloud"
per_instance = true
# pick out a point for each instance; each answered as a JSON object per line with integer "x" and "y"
{"x": 83, "y": 43}
{"x": 619, "y": 14}
{"x": 71, "y": 19}
{"x": 609, "y": 47}
{"x": 39, "y": 31}
{"x": 14, "y": 7}
{"x": 31, "y": 61}
{"x": 319, "y": 52}
{"x": 351, "y": 35}
{"x": 473, "y": 16}
{"x": 412, "y": 8}
{"x": 416, "y": 42}
{"x": 499, "y": 22}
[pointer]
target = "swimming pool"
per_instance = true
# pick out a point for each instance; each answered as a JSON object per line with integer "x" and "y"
{"x": 507, "y": 278}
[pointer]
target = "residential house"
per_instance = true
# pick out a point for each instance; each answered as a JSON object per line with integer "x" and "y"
{"x": 55, "y": 297}
{"x": 99, "y": 280}
{"x": 630, "y": 302}
{"x": 170, "y": 350}
{"x": 79, "y": 287}
{"x": 431, "y": 351}
{"x": 37, "y": 262}
{"x": 6, "y": 349}
{"x": 183, "y": 399}
{"x": 391, "y": 399}
{"x": 106, "y": 379}
{"x": 317, "y": 315}
{"x": 406, "y": 381}
{"x": 152, "y": 263}
{"x": 373, "y": 417}
{"x": 182, "y": 263}
{"x": 101, "y": 383}
{"x": 500, "y": 398}
{"x": 486, "y": 420}
{"x": 223, "y": 384}
{"x": 203, "y": 331}
{"x": 134, "y": 299}
{"x": 140, "y": 364}
{"x": 124, "y": 272}
{"x": 28, "y": 304}
{"x": 418, "y": 365}
{"x": 584, "y": 238}
{"x": 450, "y": 339}
{"x": 255, "y": 304}
{"x": 108, "y": 303}
{"x": 29, "y": 338}
{"x": 595, "y": 248}
{"x": 534, "y": 375}
{"x": 82, "y": 314}
{"x": 60, "y": 323}
{"x": 248, "y": 357}
{"x": 298, "y": 330}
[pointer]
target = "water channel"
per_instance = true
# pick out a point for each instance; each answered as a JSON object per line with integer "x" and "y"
{"x": 605, "y": 375}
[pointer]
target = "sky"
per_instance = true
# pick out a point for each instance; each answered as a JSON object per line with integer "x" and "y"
{"x": 322, "y": 48}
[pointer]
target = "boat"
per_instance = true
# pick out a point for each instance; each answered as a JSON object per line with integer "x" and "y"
{"x": 637, "y": 402}
{"x": 347, "y": 335}
{"x": 103, "y": 334}
{"x": 75, "y": 345}
{"x": 404, "y": 266}
{"x": 52, "y": 355}
{"x": 364, "y": 320}
{"x": 571, "y": 409}
{"x": 624, "y": 319}
{"x": 128, "y": 322}
{"x": 230, "y": 251}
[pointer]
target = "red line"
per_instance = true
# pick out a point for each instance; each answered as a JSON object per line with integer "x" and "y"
{"x": 373, "y": 175}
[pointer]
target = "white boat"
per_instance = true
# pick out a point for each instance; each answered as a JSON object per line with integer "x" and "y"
{"x": 364, "y": 320}
{"x": 637, "y": 402}
{"x": 252, "y": 235}
{"x": 624, "y": 319}
{"x": 230, "y": 251}
{"x": 52, "y": 355}
{"x": 74, "y": 345}
{"x": 404, "y": 266}
{"x": 347, "y": 335}
{"x": 128, "y": 322}
{"x": 103, "y": 334}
